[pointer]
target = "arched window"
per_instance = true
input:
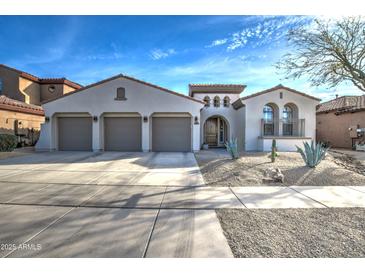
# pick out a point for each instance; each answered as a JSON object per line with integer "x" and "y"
{"x": 226, "y": 101}
{"x": 287, "y": 113}
{"x": 207, "y": 101}
{"x": 290, "y": 120}
{"x": 268, "y": 113}
{"x": 270, "y": 121}
{"x": 217, "y": 101}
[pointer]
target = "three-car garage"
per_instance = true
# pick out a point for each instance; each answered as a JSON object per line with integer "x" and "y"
{"x": 123, "y": 132}
{"x": 122, "y": 114}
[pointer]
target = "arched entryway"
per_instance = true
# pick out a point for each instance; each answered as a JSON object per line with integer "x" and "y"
{"x": 216, "y": 131}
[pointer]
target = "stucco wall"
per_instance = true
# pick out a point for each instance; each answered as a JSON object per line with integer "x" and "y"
{"x": 254, "y": 113}
{"x": 282, "y": 144}
{"x": 31, "y": 91}
{"x": 10, "y": 81}
{"x": 67, "y": 89}
{"x": 334, "y": 128}
{"x": 47, "y": 95}
{"x": 28, "y": 121}
{"x": 142, "y": 99}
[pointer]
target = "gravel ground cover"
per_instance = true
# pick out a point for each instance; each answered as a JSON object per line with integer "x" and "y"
{"x": 299, "y": 233}
{"x": 251, "y": 169}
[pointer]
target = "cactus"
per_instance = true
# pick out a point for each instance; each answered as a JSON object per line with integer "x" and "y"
{"x": 313, "y": 155}
{"x": 274, "y": 150}
{"x": 231, "y": 147}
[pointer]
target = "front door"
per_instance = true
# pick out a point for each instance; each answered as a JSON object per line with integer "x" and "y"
{"x": 211, "y": 132}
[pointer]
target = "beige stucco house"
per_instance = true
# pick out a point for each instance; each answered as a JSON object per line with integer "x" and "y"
{"x": 123, "y": 113}
{"x": 341, "y": 121}
{"x": 21, "y": 95}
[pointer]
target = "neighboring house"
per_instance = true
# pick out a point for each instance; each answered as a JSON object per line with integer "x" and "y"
{"x": 30, "y": 89}
{"x": 21, "y": 96}
{"x": 21, "y": 119}
{"x": 341, "y": 121}
{"x": 122, "y": 113}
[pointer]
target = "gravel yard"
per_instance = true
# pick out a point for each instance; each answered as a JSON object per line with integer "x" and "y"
{"x": 330, "y": 232}
{"x": 251, "y": 169}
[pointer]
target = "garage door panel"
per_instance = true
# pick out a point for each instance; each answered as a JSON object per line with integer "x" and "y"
{"x": 171, "y": 134}
{"x": 75, "y": 133}
{"x": 122, "y": 134}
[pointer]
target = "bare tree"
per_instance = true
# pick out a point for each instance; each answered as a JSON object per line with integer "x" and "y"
{"x": 330, "y": 53}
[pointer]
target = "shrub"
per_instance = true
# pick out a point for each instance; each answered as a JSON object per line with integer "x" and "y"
{"x": 313, "y": 155}
{"x": 8, "y": 142}
{"x": 231, "y": 147}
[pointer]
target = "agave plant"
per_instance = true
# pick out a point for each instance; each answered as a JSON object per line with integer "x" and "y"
{"x": 231, "y": 147}
{"x": 312, "y": 155}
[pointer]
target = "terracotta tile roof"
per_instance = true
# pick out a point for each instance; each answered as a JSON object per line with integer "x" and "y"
{"x": 343, "y": 104}
{"x": 129, "y": 78}
{"x": 7, "y": 103}
{"x": 280, "y": 87}
{"x": 31, "y": 77}
{"x": 215, "y": 88}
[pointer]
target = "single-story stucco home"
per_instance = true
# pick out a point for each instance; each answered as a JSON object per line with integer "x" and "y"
{"x": 122, "y": 113}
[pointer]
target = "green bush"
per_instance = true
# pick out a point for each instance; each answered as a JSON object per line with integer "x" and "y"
{"x": 312, "y": 155}
{"x": 7, "y": 142}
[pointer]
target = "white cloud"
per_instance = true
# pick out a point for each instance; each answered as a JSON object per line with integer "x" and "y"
{"x": 157, "y": 54}
{"x": 264, "y": 31}
{"x": 218, "y": 42}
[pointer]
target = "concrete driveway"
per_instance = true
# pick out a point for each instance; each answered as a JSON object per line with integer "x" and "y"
{"x": 84, "y": 204}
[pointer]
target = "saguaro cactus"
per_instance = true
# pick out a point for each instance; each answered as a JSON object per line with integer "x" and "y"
{"x": 273, "y": 151}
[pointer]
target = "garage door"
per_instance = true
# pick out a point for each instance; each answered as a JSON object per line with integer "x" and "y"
{"x": 74, "y": 133}
{"x": 122, "y": 134}
{"x": 171, "y": 134}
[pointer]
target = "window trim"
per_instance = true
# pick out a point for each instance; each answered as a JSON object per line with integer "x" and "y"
{"x": 120, "y": 94}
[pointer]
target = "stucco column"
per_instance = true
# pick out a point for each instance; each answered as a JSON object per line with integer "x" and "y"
{"x": 96, "y": 134}
{"x": 146, "y": 133}
{"x": 196, "y": 136}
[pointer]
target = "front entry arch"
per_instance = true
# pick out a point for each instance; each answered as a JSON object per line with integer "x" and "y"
{"x": 215, "y": 131}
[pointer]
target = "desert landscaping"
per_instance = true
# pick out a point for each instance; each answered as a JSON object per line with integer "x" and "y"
{"x": 255, "y": 169}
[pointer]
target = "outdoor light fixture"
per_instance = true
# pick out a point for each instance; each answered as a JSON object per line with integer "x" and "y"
{"x": 95, "y": 118}
{"x": 145, "y": 119}
{"x": 196, "y": 120}
{"x": 46, "y": 119}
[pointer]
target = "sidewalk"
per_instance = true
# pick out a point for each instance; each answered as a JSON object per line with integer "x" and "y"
{"x": 264, "y": 197}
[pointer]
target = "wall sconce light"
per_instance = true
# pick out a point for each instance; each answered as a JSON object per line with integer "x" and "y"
{"x": 196, "y": 120}
{"x": 95, "y": 118}
{"x": 46, "y": 119}
{"x": 145, "y": 119}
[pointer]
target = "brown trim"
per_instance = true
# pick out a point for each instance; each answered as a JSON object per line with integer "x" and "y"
{"x": 279, "y": 87}
{"x": 129, "y": 78}
{"x": 219, "y": 88}
{"x": 43, "y": 80}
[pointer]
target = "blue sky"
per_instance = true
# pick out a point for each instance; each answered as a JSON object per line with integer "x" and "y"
{"x": 171, "y": 51}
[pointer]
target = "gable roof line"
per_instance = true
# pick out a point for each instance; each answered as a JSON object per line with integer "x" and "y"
{"x": 34, "y": 78}
{"x": 280, "y": 86}
{"x": 129, "y": 78}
